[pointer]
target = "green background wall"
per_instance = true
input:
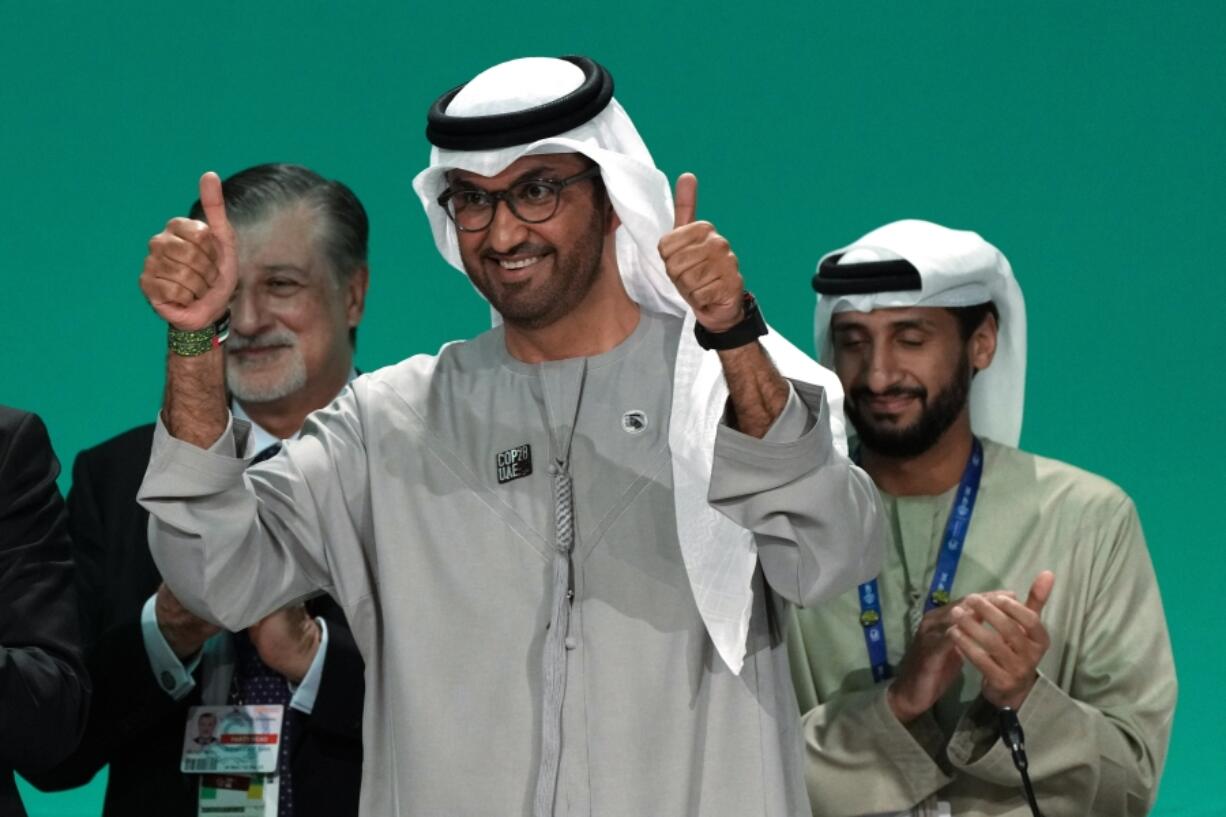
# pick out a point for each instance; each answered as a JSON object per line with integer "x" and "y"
{"x": 1085, "y": 140}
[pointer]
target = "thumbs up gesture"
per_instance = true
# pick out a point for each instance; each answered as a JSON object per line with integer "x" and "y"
{"x": 191, "y": 270}
{"x": 701, "y": 263}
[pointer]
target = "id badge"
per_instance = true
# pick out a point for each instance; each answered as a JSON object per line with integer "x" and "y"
{"x": 241, "y": 740}
{"x": 236, "y": 795}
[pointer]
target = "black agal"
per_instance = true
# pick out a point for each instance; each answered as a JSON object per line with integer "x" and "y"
{"x": 833, "y": 278}
{"x": 522, "y": 127}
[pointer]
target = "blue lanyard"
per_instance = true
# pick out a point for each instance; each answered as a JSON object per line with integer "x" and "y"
{"x": 942, "y": 578}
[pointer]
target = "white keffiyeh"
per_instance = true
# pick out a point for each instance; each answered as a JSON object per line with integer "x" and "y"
{"x": 956, "y": 268}
{"x": 720, "y": 557}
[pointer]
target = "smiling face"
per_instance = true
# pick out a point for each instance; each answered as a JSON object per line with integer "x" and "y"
{"x": 906, "y": 373}
{"x": 290, "y": 317}
{"x": 535, "y": 274}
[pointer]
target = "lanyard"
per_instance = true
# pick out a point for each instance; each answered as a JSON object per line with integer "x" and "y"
{"x": 943, "y": 576}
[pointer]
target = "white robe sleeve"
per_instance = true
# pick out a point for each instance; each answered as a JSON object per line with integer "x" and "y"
{"x": 816, "y": 517}
{"x": 236, "y": 543}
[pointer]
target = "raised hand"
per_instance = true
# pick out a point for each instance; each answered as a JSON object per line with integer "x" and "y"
{"x": 701, "y": 264}
{"x": 1005, "y": 640}
{"x": 192, "y": 267}
{"x": 287, "y": 641}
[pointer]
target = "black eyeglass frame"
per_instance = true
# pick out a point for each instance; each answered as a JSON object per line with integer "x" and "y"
{"x": 557, "y": 185}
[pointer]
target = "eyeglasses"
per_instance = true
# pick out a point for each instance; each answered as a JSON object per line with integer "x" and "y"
{"x": 531, "y": 200}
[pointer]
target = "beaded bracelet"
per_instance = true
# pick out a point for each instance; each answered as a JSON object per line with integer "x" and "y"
{"x": 193, "y": 342}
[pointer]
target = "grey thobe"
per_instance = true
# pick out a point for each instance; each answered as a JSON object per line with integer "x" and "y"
{"x": 391, "y": 502}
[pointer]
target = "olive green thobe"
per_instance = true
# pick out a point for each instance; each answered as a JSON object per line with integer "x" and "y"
{"x": 1096, "y": 722}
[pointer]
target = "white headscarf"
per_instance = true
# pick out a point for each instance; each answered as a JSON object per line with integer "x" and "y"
{"x": 720, "y": 557}
{"x": 956, "y": 268}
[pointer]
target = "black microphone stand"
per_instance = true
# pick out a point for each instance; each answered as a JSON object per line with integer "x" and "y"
{"x": 1013, "y": 737}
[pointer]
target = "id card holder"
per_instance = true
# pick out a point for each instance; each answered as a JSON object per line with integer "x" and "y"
{"x": 236, "y": 795}
{"x": 234, "y": 751}
{"x": 243, "y": 740}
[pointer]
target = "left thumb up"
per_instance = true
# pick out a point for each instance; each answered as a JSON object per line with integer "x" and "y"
{"x": 685, "y": 200}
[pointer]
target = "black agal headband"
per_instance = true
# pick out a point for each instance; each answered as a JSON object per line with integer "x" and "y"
{"x": 522, "y": 127}
{"x": 897, "y": 275}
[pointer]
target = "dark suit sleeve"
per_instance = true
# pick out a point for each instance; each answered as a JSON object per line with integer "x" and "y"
{"x": 130, "y": 716}
{"x": 130, "y": 712}
{"x": 338, "y": 704}
{"x": 85, "y": 528}
{"x": 44, "y": 691}
{"x": 327, "y": 761}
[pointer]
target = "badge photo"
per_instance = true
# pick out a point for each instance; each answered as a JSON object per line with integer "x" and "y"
{"x": 232, "y": 739}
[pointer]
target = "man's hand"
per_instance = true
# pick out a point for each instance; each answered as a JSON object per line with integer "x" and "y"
{"x": 184, "y": 631}
{"x": 192, "y": 267}
{"x": 930, "y": 665}
{"x": 927, "y": 669}
{"x": 706, "y": 273}
{"x": 1005, "y": 640}
{"x": 701, "y": 264}
{"x": 287, "y": 641}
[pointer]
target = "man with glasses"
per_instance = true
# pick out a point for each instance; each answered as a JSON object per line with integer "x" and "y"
{"x": 564, "y": 545}
{"x": 531, "y": 200}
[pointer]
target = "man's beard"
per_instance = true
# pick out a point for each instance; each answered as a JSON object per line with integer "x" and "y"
{"x": 263, "y": 382}
{"x": 535, "y": 304}
{"x": 934, "y": 420}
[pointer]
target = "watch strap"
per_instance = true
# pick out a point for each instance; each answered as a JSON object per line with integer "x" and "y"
{"x": 751, "y": 327}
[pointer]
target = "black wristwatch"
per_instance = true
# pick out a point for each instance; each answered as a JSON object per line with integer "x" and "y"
{"x": 751, "y": 327}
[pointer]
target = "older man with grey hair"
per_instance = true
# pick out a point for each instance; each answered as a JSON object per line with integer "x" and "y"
{"x": 301, "y": 279}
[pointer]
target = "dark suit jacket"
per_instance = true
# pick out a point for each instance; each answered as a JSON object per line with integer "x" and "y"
{"x": 44, "y": 690}
{"x": 135, "y": 726}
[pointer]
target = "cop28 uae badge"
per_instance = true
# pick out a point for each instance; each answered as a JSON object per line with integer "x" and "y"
{"x": 514, "y": 463}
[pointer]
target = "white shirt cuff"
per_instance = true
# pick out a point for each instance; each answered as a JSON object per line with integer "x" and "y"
{"x": 171, "y": 674}
{"x": 304, "y": 693}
